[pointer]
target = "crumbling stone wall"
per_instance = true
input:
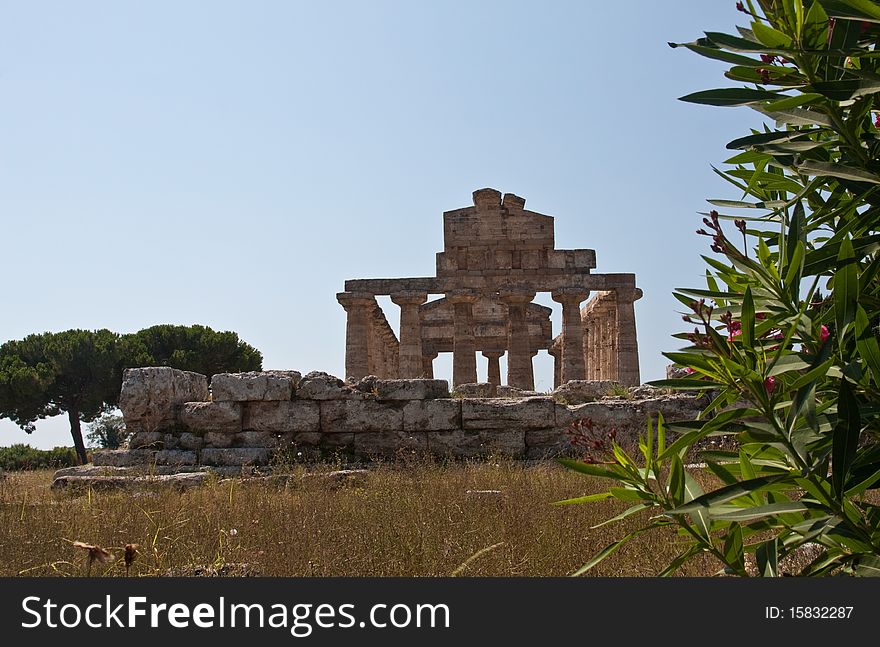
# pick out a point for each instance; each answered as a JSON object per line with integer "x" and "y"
{"x": 246, "y": 419}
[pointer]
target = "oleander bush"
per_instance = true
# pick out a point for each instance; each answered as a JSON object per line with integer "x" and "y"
{"x": 785, "y": 334}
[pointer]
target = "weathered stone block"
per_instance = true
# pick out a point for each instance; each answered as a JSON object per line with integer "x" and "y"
{"x": 432, "y": 415}
{"x": 417, "y": 389}
{"x": 171, "y": 441}
{"x": 218, "y": 439}
{"x": 390, "y": 443}
{"x": 629, "y": 418}
{"x": 282, "y": 417}
{"x": 502, "y": 413}
{"x": 191, "y": 441}
{"x": 122, "y": 457}
{"x": 236, "y": 456}
{"x": 581, "y": 391}
{"x": 504, "y": 391}
{"x": 151, "y": 439}
{"x": 150, "y": 395}
{"x": 318, "y": 385}
{"x": 176, "y": 457}
{"x": 254, "y": 386}
{"x": 219, "y": 417}
{"x": 475, "y": 390}
{"x": 476, "y": 444}
{"x": 255, "y": 439}
{"x": 359, "y": 415}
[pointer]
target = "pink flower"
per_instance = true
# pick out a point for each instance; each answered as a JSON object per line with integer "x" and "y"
{"x": 823, "y": 333}
{"x": 689, "y": 371}
{"x": 770, "y": 385}
{"x": 877, "y": 120}
{"x": 734, "y": 334}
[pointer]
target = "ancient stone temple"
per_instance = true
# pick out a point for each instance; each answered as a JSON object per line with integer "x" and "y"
{"x": 496, "y": 256}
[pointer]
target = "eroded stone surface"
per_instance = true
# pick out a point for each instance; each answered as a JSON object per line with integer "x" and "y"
{"x": 411, "y": 389}
{"x": 318, "y": 385}
{"x": 122, "y": 457}
{"x": 281, "y": 417}
{"x": 235, "y": 456}
{"x": 432, "y": 415}
{"x": 359, "y": 415}
{"x": 201, "y": 417}
{"x": 150, "y": 395}
{"x": 503, "y": 413}
{"x": 254, "y": 386}
{"x": 476, "y": 390}
{"x": 80, "y": 483}
{"x": 581, "y": 391}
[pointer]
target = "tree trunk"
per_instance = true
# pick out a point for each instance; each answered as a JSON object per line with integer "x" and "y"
{"x": 76, "y": 432}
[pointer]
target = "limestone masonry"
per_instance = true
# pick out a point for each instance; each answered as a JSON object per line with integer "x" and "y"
{"x": 247, "y": 420}
{"x": 496, "y": 257}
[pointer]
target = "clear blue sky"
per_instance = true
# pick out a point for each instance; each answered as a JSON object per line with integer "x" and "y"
{"x": 232, "y": 163}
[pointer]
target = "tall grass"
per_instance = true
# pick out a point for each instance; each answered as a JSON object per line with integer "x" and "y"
{"x": 491, "y": 518}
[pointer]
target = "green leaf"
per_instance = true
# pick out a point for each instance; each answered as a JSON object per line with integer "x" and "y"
{"x": 585, "y": 499}
{"x": 694, "y": 491}
{"x": 737, "y": 44}
{"x": 770, "y": 37}
{"x": 757, "y": 512}
{"x": 767, "y": 556}
{"x": 867, "y": 344}
{"x": 846, "y": 287}
{"x": 733, "y": 547}
{"x": 846, "y": 436}
{"x": 624, "y": 514}
{"x": 747, "y": 319}
{"x": 815, "y": 34}
{"x": 793, "y": 101}
{"x": 858, "y": 9}
{"x": 680, "y": 559}
{"x": 608, "y": 550}
{"x": 809, "y": 167}
{"x": 588, "y": 468}
{"x": 731, "y": 96}
{"x": 676, "y": 480}
{"x": 796, "y": 116}
{"x": 868, "y": 566}
{"x": 701, "y": 47}
{"x": 729, "y": 493}
{"x": 846, "y": 89}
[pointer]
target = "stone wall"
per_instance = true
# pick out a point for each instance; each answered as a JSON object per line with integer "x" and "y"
{"x": 248, "y": 418}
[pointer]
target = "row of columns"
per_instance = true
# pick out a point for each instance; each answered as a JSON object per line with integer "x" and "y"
{"x": 606, "y": 338}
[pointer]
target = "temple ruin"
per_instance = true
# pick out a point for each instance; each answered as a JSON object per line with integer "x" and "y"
{"x": 496, "y": 257}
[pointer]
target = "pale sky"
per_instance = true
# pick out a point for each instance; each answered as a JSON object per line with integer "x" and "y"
{"x": 232, "y": 163}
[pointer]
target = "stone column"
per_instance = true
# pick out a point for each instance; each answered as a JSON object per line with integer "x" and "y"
{"x": 557, "y": 367}
{"x": 627, "y": 344}
{"x": 464, "y": 351}
{"x": 410, "y": 365}
{"x": 573, "y": 366}
{"x": 357, "y": 332}
{"x": 428, "y": 365}
{"x": 588, "y": 366}
{"x": 519, "y": 351}
{"x": 494, "y": 366}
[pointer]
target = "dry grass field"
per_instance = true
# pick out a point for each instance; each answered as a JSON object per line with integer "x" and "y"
{"x": 418, "y": 519}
